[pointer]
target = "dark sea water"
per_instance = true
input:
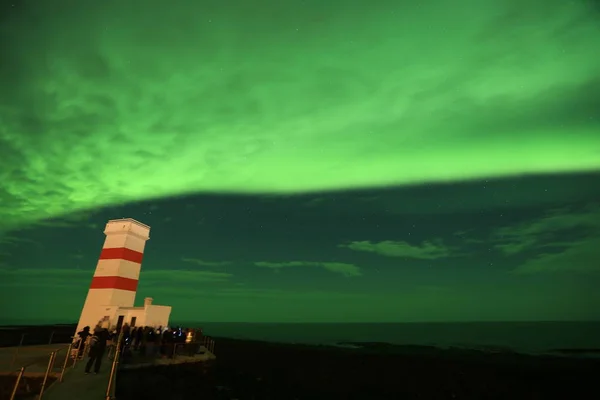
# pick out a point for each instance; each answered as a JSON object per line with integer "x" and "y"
{"x": 530, "y": 337}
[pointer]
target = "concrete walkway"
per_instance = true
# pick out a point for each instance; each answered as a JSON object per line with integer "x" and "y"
{"x": 35, "y": 358}
{"x": 77, "y": 385}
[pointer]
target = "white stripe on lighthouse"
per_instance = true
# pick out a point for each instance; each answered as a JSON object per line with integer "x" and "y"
{"x": 118, "y": 267}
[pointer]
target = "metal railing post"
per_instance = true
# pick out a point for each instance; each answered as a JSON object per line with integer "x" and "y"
{"x": 83, "y": 350}
{"x": 110, "y": 351}
{"x": 67, "y": 356}
{"x": 51, "y": 337}
{"x": 113, "y": 370}
{"x": 76, "y": 353}
{"x": 76, "y": 357}
{"x": 16, "y": 354}
{"x": 14, "y": 391}
{"x": 54, "y": 359}
{"x": 50, "y": 363}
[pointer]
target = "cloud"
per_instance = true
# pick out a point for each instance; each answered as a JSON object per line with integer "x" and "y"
{"x": 581, "y": 257}
{"x": 230, "y": 292}
{"x": 426, "y": 251}
{"x": 369, "y": 199}
{"x": 340, "y": 268}
{"x": 184, "y": 276}
{"x": 546, "y": 231}
{"x": 168, "y": 282}
{"x": 276, "y": 106}
{"x": 348, "y": 270}
{"x": 63, "y": 277}
{"x": 281, "y": 294}
{"x": 203, "y": 263}
{"x": 60, "y": 278}
{"x": 339, "y": 201}
{"x": 316, "y": 201}
{"x": 80, "y": 219}
{"x": 565, "y": 240}
{"x": 12, "y": 240}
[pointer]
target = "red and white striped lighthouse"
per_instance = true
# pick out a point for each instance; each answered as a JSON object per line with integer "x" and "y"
{"x": 117, "y": 273}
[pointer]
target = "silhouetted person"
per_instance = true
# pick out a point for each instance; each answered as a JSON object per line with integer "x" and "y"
{"x": 126, "y": 333}
{"x": 163, "y": 343}
{"x": 132, "y": 334}
{"x": 157, "y": 341}
{"x": 83, "y": 335}
{"x": 139, "y": 337}
{"x": 97, "y": 349}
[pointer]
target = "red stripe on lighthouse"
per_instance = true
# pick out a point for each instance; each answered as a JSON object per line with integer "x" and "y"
{"x": 114, "y": 282}
{"x": 122, "y": 253}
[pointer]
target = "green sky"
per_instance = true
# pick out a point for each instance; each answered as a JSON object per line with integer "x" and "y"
{"x": 517, "y": 249}
{"x": 305, "y": 160}
{"x": 107, "y": 102}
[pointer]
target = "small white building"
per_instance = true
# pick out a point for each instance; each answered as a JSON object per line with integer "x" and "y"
{"x": 110, "y": 299}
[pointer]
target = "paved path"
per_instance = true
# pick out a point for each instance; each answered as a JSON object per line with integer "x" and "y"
{"x": 77, "y": 385}
{"x": 34, "y": 357}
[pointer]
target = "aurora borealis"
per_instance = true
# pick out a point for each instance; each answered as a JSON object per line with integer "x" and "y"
{"x": 460, "y": 143}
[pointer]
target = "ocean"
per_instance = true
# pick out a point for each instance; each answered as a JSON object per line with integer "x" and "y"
{"x": 527, "y": 337}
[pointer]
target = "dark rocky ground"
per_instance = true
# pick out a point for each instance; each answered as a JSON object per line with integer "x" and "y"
{"x": 35, "y": 335}
{"x": 260, "y": 370}
{"x": 27, "y": 389}
{"x": 31, "y": 335}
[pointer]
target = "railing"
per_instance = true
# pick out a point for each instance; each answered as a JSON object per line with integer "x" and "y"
{"x": 19, "y": 377}
{"x": 48, "y": 369}
{"x": 209, "y": 344}
{"x": 64, "y": 366}
{"x": 16, "y": 353}
{"x": 50, "y": 366}
{"x": 157, "y": 349}
{"x": 81, "y": 353}
{"x": 20, "y": 345}
{"x": 111, "y": 388}
{"x": 115, "y": 352}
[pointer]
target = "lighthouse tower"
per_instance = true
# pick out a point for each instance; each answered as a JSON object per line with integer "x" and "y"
{"x": 117, "y": 273}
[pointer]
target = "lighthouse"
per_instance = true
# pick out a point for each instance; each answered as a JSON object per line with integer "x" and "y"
{"x": 111, "y": 296}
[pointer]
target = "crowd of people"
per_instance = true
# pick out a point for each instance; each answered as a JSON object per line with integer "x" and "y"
{"x": 144, "y": 341}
